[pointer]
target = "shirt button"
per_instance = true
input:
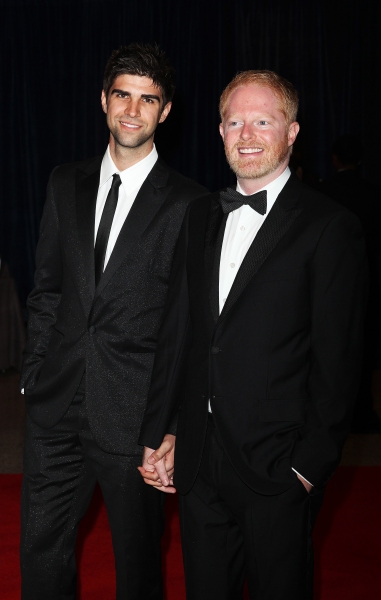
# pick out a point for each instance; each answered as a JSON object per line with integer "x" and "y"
{"x": 223, "y": 299}
{"x": 92, "y": 329}
{"x": 242, "y": 228}
{"x": 232, "y": 265}
{"x": 215, "y": 350}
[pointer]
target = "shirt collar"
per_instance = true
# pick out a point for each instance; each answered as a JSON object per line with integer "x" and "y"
{"x": 273, "y": 189}
{"x": 132, "y": 177}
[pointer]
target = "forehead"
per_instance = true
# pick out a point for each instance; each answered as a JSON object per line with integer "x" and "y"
{"x": 253, "y": 98}
{"x": 135, "y": 84}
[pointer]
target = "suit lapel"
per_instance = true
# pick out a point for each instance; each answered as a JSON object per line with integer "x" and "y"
{"x": 150, "y": 198}
{"x": 279, "y": 220}
{"x": 86, "y": 192}
{"x": 213, "y": 243}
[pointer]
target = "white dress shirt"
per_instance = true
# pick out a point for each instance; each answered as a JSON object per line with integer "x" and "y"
{"x": 132, "y": 180}
{"x": 242, "y": 226}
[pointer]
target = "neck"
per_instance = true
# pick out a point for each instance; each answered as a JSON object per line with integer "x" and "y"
{"x": 251, "y": 186}
{"x": 127, "y": 157}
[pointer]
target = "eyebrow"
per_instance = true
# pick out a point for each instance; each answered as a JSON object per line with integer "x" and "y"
{"x": 153, "y": 96}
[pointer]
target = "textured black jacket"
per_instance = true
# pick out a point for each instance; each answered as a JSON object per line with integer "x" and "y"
{"x": 109, "y": 332}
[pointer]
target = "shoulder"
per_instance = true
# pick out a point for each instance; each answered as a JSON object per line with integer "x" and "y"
{"x": 183, "y": 187}
{"x": 68, "y": 170}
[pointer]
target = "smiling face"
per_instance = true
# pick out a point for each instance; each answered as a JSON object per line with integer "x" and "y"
{"x": 134, "y": 109}
{"x": 256, "y": 136}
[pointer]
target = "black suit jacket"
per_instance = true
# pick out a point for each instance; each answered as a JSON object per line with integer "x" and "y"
{"x": 109, "y": 332}
{"x": 280, "y": 364}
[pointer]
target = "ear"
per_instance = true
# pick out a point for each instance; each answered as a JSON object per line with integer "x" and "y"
{"x": 165, "y": 112}
{"x": 221, "y": 128}
{"x": 293, "y": 131}
{"x": 104, "y": 102}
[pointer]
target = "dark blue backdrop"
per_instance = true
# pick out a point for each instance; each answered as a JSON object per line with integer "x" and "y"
{"x": 53, "y": 54}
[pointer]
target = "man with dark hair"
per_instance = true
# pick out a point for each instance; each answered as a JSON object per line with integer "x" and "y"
{"x": 145, "y": 61}
{"x": 107, "y": 239}
{"x": 259, "y": 353}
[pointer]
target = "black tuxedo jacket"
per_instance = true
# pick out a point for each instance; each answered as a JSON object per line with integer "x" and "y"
{"x": 109, "y": 332}
{"x": 280, "y": 364}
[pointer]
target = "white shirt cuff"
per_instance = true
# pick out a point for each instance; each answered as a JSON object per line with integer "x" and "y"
{"x": 302, "y": 477}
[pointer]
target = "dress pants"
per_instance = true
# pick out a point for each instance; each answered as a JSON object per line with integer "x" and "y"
{"x": 230, "y": 533}
{"x": 61, "y": 468}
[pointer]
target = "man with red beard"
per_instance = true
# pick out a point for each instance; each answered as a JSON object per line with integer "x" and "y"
{"x": 259, "y": 354}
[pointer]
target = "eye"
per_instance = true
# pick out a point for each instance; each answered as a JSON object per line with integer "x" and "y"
{"x": 120, "y": 95}
{"x": 148, "y": 100}
{"x": 263, "y": 122}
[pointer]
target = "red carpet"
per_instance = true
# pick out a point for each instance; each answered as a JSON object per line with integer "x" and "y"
{"x": 347, "y": 542}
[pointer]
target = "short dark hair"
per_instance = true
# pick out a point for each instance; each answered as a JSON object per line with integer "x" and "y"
{"x": 145, "y": 60}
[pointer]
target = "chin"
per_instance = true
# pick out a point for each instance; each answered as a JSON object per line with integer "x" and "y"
{"x": 251, "y": 171}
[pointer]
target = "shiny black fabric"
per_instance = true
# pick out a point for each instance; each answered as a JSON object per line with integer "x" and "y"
{"x": 110, "y": 330}
{"x": 231, "y": 200}
{"x": 105, "y": 227}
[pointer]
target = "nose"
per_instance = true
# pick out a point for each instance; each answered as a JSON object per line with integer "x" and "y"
{"x": 132, "y": 109}
{"x": 247, "y": 132}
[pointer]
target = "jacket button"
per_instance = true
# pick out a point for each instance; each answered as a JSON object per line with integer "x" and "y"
{"x": 215, "y": 350}
{"x": 92, "y": 329}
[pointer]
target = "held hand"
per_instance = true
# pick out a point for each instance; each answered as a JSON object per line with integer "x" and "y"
{"x": 157, "y": 468}
{"x": 307, "y": 485}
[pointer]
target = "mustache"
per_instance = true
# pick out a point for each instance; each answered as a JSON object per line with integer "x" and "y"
{"x": 249, "y": 144}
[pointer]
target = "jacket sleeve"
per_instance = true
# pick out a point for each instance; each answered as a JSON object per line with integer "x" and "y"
{"x": 338, "y": 292}
{"x": 166, "y": 388}
{"x": 44, "y": 299}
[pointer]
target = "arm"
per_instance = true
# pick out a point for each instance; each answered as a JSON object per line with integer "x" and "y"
{"x": 338, "y": 286}
{"x": 167, "y": 377}
{"x": 46, "y": 295}
{"x": 167, "y": 383}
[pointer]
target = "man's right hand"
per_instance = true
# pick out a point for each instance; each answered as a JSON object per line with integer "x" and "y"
{"x": 158, "y": 465}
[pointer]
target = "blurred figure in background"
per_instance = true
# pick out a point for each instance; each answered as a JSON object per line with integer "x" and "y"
{"x": 12, "y": 328}
{"x": 349, "y": 188}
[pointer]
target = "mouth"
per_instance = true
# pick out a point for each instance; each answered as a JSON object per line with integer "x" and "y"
{"x": 129, "y": 125}
{"x": 250, "y": 150}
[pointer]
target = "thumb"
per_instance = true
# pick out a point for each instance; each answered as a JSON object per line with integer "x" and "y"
{"x": 157, "y": 455}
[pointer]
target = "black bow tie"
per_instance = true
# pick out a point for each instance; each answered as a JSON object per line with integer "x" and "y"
{"x": 231, "y": 200}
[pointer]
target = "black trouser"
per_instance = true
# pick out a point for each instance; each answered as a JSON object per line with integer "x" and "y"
{"x": 61, "y": 468}
{"x": 230, "y": 532}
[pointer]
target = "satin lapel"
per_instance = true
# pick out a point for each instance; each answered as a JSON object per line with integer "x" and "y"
{"x": 150, "y": 198}
{"x": 279, "y": 220}
{"x": 86, "y": 198}
{"x": 213, "y": 243}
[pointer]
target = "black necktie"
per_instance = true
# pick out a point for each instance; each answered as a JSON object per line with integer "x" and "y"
{"x": 105, "y": 227}
{"x": 231, "y": 200}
